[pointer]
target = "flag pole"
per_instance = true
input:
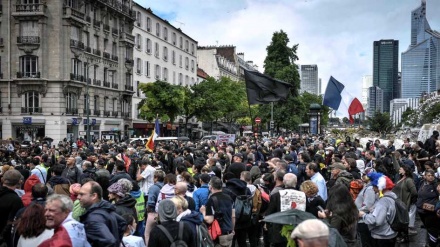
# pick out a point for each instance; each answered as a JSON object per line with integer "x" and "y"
{"x": 250, "y": 115}
{"x": 271, "y": 119}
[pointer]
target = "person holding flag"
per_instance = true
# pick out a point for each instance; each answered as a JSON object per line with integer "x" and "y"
{"x": 156, "y": 133}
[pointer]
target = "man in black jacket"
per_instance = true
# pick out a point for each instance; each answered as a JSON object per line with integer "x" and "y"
{"x": 104, "y": 227}
{"x": 10, "y": 202}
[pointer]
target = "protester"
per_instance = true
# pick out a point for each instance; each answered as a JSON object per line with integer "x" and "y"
{"x": 311, "y": 233}
{"x": 31, "y": 227}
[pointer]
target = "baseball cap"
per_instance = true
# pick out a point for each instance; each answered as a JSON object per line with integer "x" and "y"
{"x": 312, "y": 228}
{"x": 239, "y": 155}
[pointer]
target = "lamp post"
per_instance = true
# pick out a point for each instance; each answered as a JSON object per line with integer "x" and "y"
{"x": 78, "y": 52}
{"x": 90, "y": 61}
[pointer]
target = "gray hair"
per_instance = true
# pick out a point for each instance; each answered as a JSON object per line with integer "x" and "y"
{"x": 66, "y": 202}
{"x": 290, "y": 180}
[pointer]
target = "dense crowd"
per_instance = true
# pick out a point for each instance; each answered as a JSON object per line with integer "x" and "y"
{"x": 218, "y": 194}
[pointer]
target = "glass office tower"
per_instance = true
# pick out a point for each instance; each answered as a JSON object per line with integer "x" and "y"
{"x": 421, "y": 62}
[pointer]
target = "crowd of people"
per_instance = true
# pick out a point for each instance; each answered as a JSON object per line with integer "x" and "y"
{"x": 217, "y": 194}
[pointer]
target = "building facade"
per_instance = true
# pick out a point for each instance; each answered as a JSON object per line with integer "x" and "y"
{"x": 386, "y": 69}
{"x": 66, "y": 65}
{"x": 367, "y": 82}
{"x": 375, "y": 100}
{"x": 219, "y": 61}
{"x": 309, "y": 79}
{"x": 399, "y": 106}
{"x": 421, "y": 61}
{"x": 161, "y": 53}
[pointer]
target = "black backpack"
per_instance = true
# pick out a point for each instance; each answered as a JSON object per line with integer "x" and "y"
{"x": 174, "y": 242}
{"x": 203, "y": 237}
{"x": 243, "y": 208}
{"x": 401, "y": 219}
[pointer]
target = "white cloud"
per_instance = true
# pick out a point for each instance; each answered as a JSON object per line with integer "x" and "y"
{"x": 337, "y": 35}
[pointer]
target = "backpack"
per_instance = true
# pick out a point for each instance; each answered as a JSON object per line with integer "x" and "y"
{"x": 243, "y": 208}
{"x": 257, "y": 201}
{"x": 174, "y": 242}
{"x": 203, "y": 238}
{"x": 401, "y": 219}
{"x": 355, "y": 188}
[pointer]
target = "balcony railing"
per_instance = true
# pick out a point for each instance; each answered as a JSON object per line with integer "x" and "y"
{"x": 128, "y": 87}
{"x": 28, "y": 74}
{"x": 31, "y": 7}
{"x": 28, "y": 39}
{"x": 115, "y": 85}
{"x": 73, "y": 111}
{"x": 76, "y": 77}
{"x": 88, "y": 49}
{"x": 115, "y": 114}
{"x": 127, "y": 37}
{"x": 115, "y": 31}
{"x": 89, "y": 81}
{"x": 106, "y": 28}
{"x": 97, "y": 23}
{"x": 115, "y": 58}
{"x": 106, "y": 55}
{"x": 97, "y": 52}
{"x": 87, "y": 111}
{"x": 76, "y": 44}
{"x": 107, "y": 84}
{"x": 106, "y": 113}
{"x": 125, "y": 114}
{"x": 31, "y": 110}
{"x": 88, "y": 19}
{"x": 97, "y": 112}
{"x": 96, "y": 82}
{"x": 129, "y": 60}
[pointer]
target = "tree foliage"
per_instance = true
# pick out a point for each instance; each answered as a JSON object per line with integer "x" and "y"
{"x": 380, "y": 122}
{"x": 162, "y": 99}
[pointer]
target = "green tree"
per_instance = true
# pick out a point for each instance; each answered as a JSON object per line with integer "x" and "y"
{"x": 380, "y": 122}
{"x": 280, "y": 64}
{"x": 430, "y": 111}
{"x": 163, "y": 99}
{"x": 407, "y": 119}
{"x": 307, "y": 99}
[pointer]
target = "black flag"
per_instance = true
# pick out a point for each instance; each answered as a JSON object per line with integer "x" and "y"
{"x": 262, "y": 89}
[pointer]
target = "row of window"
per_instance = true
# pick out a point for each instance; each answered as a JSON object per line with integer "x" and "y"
{"x": 165, "y": 56}
{"x": 144, "y": 67}
{"x": 32, "y": 104}
{"x": 162, "y": 32}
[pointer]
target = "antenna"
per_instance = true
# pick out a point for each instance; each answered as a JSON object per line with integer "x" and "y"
{"x": 181, "y": 23}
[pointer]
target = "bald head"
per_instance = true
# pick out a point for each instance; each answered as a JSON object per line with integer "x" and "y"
{"x": 180, "y": 188}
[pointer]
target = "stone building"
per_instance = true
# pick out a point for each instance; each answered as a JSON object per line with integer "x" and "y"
{"x": 66, "y": 64}
{"x": 161, "y": 52}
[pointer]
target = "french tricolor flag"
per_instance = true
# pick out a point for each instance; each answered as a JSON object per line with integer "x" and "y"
{"x": 156, "y": 133}
{"x": 337, "y": 97}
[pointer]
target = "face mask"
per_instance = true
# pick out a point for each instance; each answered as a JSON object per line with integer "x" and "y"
{"x": 132, "y": 231}
{"x": 327, "y": 152}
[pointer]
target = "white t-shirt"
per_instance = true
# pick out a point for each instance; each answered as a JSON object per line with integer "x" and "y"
{"x": 133, "y": 241}
{"x": 35, "y": 241}
{"x": 148, "y": 181}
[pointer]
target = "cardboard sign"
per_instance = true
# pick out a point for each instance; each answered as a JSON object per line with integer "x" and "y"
{"x": 292, "y": 199}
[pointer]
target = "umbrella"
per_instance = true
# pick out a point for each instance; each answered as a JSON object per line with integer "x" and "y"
{"x": 289, "y": 217}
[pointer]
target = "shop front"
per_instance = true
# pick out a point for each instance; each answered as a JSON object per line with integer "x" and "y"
{"x": 142, "y": 129}
{"x": 29, "y": 129}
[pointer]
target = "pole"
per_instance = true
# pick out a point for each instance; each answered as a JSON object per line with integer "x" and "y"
{"x": 88, "y": 105}
{"x": 271, "y": 118}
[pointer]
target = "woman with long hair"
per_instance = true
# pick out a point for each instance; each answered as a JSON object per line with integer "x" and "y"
{"x": 342, "y": 213}
{"x": 32, "y": 226}
{"x": 405, "y": 189}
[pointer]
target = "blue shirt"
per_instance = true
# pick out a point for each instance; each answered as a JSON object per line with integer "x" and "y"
{"x": 200, "y": 196}
{"x": 319, "y": 180}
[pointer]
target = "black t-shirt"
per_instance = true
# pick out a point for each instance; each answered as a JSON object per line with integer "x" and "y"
{"x": 223, "y": 209}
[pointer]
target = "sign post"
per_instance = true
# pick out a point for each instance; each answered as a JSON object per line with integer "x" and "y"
{"x": 257, "y": 120}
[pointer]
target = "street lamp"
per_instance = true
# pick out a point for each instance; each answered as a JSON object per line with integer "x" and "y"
{"x": 78, "y": 52}
{"x": 90, "y": 61}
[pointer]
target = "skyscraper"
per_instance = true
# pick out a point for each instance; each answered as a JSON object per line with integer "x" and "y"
{"x": 367, "y": 82}
{"x": 421, "y": 62}
{"x": 375, "y": 100}
{"x": 309, "y": 79}
{"x": 386, "y": 69}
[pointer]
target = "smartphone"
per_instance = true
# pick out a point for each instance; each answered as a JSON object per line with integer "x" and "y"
{"x": 321, "y": 209}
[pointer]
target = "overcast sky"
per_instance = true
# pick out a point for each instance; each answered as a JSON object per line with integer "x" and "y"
{"x": 337, "y": 35}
